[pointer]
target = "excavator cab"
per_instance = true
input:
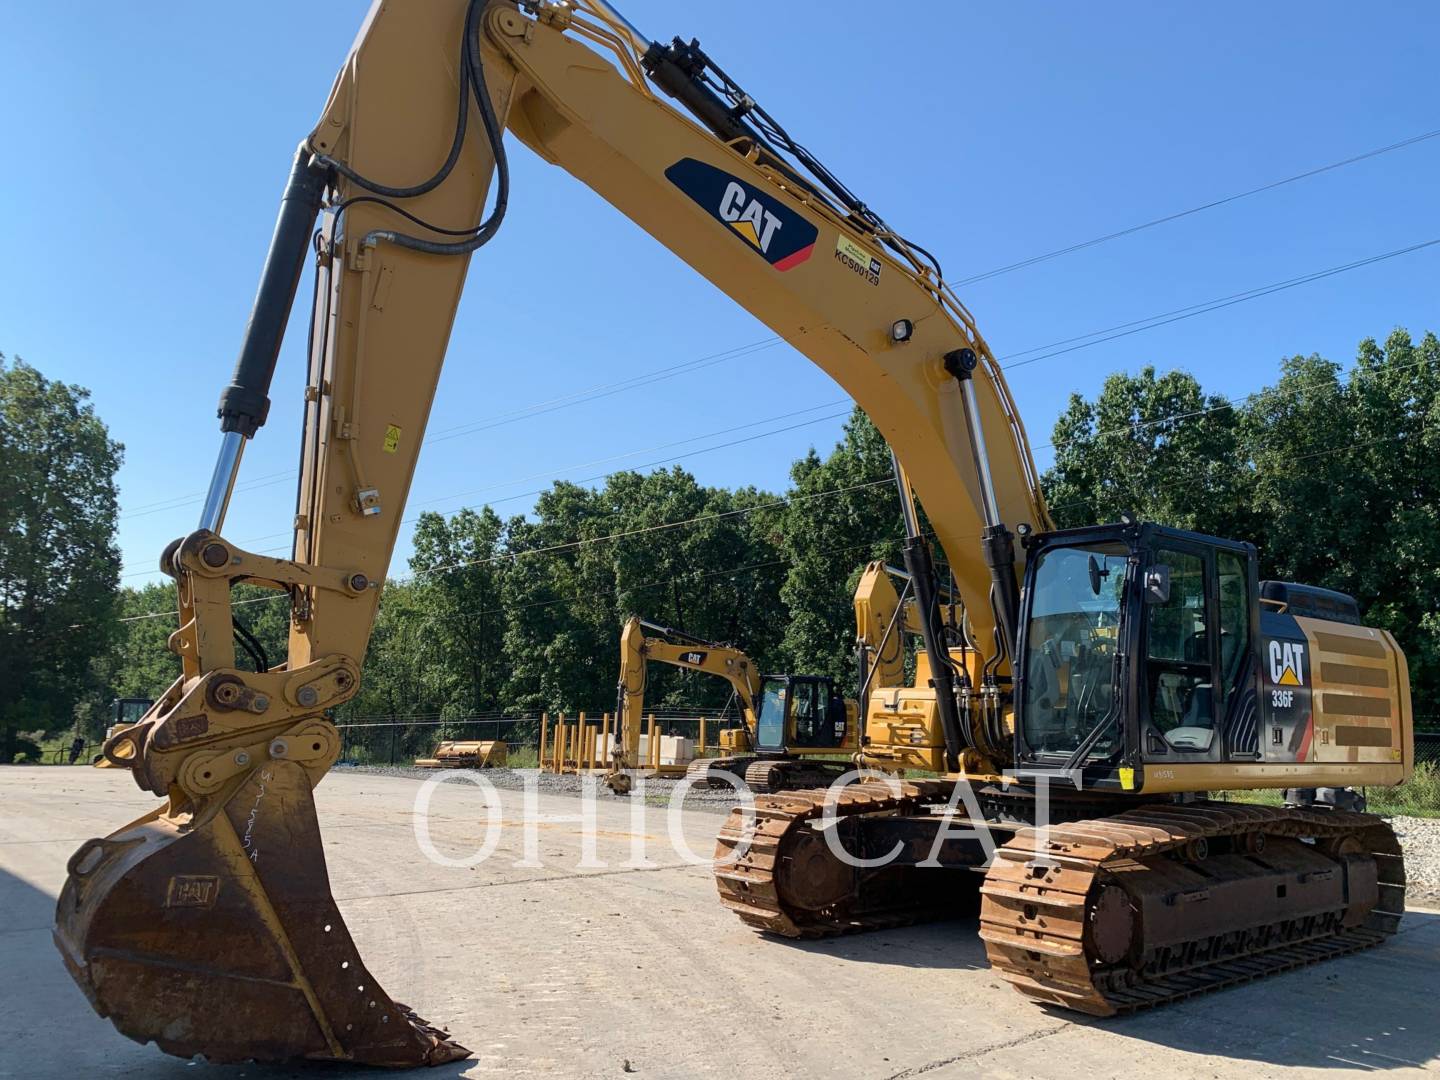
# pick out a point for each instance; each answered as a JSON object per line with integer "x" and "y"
{"x": 126, "y": 711}
{"x": 799, "y": 712}
{"x": 1138, "y": 646}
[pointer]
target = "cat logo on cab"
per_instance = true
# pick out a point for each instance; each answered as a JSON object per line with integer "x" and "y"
{"x": 767, "y": 226}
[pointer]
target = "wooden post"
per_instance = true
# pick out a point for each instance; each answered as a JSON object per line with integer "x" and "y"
{"x": 605, "y": 742}
{"x": 560, "y": 744}
{"x": 544, "y": 731}
{"x": 654, "y": 746}
{"x": 582, "y": 733}
{"x": 701, "y": 748}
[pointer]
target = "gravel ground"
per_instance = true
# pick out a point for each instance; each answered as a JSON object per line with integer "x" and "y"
{"x": 657, "y": 792}
{"x": 1419, "y": 836}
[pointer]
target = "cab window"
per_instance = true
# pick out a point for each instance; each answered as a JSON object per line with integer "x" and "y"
{"x": 1180, "y": 684}
{"x": 805, "y": 712}
{"x": 1234, "y": 617}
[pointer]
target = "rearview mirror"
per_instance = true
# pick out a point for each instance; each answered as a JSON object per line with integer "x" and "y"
{"x": 1157, "y": 584}
{"x": 1094, "y": 570}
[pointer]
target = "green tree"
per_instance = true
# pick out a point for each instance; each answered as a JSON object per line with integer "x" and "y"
{"x": 1156, "y": 446}
{"x": 59, "y": 566}
{"x": 1333, "y": 480}
{"x": 843, "y": 512}
{"x": 459, "y": 564}
{"x": 1348, "y": 488}
{"x": 139, "y": 664}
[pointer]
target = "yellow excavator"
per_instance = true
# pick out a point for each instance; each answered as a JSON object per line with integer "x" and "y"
{"x": 789, "y": 723}
{"x": 1136, "y": 667}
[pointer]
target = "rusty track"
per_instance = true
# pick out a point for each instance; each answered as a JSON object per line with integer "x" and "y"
{"x": 1067, "y": 933}
{"x": 785, "y": 880}
{"x": 703, "y": 770}
{"x": 786, "y": 774}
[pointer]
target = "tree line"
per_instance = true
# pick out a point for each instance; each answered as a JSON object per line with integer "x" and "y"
{"x": 1331, "y": 473}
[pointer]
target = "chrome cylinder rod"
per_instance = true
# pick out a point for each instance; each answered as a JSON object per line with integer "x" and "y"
{"x": 222, "y": 481}
{"x": 907, "y": 499}
{"x": 638, "y": 41}
{"x": 981, "y": 452}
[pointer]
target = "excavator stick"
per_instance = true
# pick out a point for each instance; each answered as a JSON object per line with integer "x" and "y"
{"x": 210, "y": 929}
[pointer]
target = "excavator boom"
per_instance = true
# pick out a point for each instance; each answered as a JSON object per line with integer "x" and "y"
{"x": 193, "y": 926}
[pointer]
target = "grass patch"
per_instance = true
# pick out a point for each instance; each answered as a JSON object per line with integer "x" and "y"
{"x": 523, "y": 757}
{"x": 1417, "y": 797}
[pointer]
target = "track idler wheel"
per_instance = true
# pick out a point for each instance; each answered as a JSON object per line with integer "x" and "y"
{"x": 1113, "y": 924}
{"x": 211, "y": 930}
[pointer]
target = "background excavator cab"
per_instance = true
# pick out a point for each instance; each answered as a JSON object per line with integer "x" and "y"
{"x": 1138, "y": 645}
{"x": 799, "y": 711}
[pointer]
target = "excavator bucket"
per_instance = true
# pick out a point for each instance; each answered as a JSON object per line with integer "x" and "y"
{"x": 212, "y": 931}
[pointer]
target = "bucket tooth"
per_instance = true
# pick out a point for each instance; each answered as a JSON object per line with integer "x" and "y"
{"x": 210, "y": 929}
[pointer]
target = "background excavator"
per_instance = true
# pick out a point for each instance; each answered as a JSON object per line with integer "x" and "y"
{"x": 788, "y": 723}
{"x": 1143, "y": 666}
{"x": 791, "y": 724}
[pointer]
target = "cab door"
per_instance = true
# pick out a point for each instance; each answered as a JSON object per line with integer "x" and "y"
{"x": 807, "y": 713}
{"x": 772, "y": 720}
{"x": 1197, "y": 693}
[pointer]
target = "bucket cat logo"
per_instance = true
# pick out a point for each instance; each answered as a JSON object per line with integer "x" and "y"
{"x": 766, "y": 225}
{"x": 1287, "y": 663}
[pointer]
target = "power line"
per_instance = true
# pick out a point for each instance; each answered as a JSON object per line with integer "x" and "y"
{"x": 1082, "y": 245}
{"x": 1197, "y": 482}
{"x": 571, "y": 545}
{"x": 602, "y": 390}
{"x": 646, "y": 465}
{"x": 1054, "y": 348}
{"x": 576, "y": 544}
{"x": 541, "y": 408}
{"x": 1072, "y": 344}
{"x": 1204, "y": 308}
{"x": 1048, "y": 351}
{"x": 1229, "y": 403}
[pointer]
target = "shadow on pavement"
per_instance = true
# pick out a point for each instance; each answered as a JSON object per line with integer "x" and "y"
{"x": 48, "y": 1029}
{"x": 1373, "y": 1010}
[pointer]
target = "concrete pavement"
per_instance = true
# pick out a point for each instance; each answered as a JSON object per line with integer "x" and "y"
{"x": 559, "y": 971}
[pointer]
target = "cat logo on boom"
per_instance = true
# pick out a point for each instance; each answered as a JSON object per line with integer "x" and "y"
{"x": 1287, "y": 663}
{"x": 768, "y": 227}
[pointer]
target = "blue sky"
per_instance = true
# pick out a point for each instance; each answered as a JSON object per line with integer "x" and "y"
{"x": 146, "y": 147}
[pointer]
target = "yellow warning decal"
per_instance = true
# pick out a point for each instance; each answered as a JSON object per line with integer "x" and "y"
{"x": 856, "y": 259}
{"x": 392, "y": 438}
{"x": 1127, "y": 778}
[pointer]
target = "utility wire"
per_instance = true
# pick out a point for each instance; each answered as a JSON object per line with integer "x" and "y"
{"x": 665, "y": 526}
{"x": 541, "y": 408}
{"x": 1082, "y": 245}
{"x": 590, "y": 479}
{"x": 1230, "y": 403}
{"x": 571, "y": 545}
{"x": 1199, "y": 481}
{"x": 1073, "y": 344}
{"x": 1007, "y": 362}
{"x": 1204, "y": 308}
{"x": 661, "y": 374}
